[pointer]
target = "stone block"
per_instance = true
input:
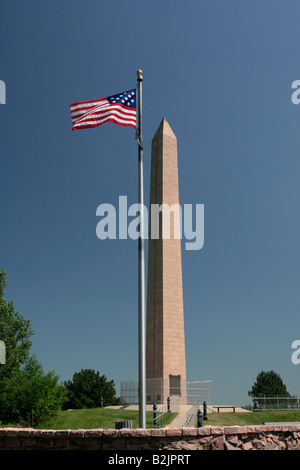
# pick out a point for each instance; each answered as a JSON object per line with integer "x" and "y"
{"x": 64, "y": 433}
{"x": 203, "y": 431}
{"x": 25, "y": 432}
{"x": 232, "y": 439}
{"x": 189, "y": 431}
{"x": 108, "y": 433}
{"x": 218, "y": 443}
{"x": 242, "y": 429}
{"x": 206, "y": 440}
{"x": 270, "y": 446}
{"x": 158, "y": 432}
{"x": 231, "y": 430}
{"x": 47, "y": 434}
{"x": 126, "y": 432}
{"x": 140, "y": 432}
{"x": 12, "y": 442}
{"x": 247, "y": 446}
{"x": 62, "y": 442}
{"x": 259, "y": 444}
{"x": 77, "y": 434}
{"x": 29, "y": 442}
{"x": 217, "y": 430}
{"x": 174, "y": 432}
{"x": 46, "y": 443}
{"x": 228, "y": 446}
{"x": 192, "y": 447}
{"x": 12, "y": 432}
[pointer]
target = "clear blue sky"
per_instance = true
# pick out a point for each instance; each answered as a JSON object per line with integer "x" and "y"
{"x": 221, "y": 73}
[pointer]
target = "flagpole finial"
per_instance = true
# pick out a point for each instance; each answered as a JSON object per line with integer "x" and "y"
{"x": 140, "y": 75}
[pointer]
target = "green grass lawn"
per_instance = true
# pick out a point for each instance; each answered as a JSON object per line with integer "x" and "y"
{"x": 258, "y": 417}
{"x": 106, "y": 418}
{"x": 94, "y": 418}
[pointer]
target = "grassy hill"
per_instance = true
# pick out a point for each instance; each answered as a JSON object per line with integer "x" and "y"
{"x": 106, "y": 418}
{"x": 258, "y": 417}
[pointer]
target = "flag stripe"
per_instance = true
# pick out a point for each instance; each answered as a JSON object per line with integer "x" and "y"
{"x": 109, "y": 118}
{"x": 81, "y": 108}
{"x": 100, "y": 115}
{"x": 88, "y": 110}
{"x": 98, "y": 110}
{"x": 120, "y": 109}
{"x": 99, "y": 119}
{"x": 87, "y": 103}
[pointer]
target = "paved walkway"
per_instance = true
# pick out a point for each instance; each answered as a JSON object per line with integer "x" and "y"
{"x": 180, "y": 419}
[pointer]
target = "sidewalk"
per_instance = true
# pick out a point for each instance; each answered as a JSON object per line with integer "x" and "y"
{"x": 180, "y": 419}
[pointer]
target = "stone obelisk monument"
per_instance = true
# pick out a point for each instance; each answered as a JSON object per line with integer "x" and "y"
{"x": 165, "y": 340}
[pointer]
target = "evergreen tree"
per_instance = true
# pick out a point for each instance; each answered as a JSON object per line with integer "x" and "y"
{"x": 87, "y": 388}
{"x": 268, "y": 384}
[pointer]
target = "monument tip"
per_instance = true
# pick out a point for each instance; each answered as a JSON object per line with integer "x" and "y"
{"x": 165, "y": 128}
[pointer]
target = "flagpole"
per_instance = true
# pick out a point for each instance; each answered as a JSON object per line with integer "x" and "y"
{"x": 141, "y": 262}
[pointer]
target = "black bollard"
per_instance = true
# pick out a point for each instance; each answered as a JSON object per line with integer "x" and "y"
{"x": 199, "y": 419}
{"x": 155, "y": 415}
{"x": 204, "y": 410}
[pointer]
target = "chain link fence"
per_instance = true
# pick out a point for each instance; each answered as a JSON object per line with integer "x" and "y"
{"x": 195, "y": 391}
{"x": 275, "y": 403}
{"x": 199, "y": 391}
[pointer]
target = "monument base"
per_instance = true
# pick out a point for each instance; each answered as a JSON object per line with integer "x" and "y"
{"x": 156, "y": 393}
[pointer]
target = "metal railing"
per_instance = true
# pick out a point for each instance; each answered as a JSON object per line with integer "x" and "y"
{"x": 164, "y": 414}
{"x": 275, "y": 403}
{"x": 191, "y": 415}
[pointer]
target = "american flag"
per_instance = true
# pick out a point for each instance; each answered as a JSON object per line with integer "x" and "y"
{"x": 120, "y": 109}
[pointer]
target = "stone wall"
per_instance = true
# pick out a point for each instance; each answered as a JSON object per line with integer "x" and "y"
{"x": 267, "y": 437}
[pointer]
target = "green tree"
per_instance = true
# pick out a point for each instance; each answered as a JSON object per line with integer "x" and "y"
{"x": 27, "y": 395}
{"x": 87, "y": 388}
{"x": 15, "y": 331}
{"x": 268, "y": 384}
{"x": 31, "y": 396}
